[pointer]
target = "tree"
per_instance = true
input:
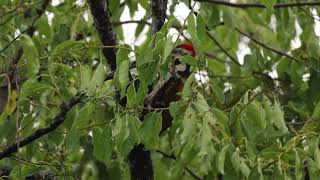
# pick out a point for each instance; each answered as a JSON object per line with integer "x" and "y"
{"x": 71, "y": 108}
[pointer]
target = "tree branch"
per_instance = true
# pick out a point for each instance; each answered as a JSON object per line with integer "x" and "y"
{"x": 104, "y": 26}
{"x": 233, "y": 59}
{"x": 59, "y": 119}
{"x": 266, "y": 46}
{"x": 132, "y": 21}
{"x": 159, "y": 8}
{"x": 259, "y": 5}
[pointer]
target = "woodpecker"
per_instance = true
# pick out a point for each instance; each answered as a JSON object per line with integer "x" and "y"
{"x": 165, "y": 91}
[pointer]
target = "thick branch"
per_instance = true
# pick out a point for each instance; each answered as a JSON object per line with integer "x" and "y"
{"x": 103, "y": 24}
{"x": 266, "y": 46}
{"x": 159, "y": 8}
{"x": 259, "y": 5}
{"x": 42, "y": 131}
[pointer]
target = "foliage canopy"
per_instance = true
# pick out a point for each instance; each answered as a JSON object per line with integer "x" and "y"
{"x": 251, "y": 118}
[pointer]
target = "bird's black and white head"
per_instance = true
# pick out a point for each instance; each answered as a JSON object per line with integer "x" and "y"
{"x": 180, "y": 67}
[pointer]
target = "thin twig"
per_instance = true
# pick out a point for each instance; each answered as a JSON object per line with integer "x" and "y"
{"x": 233, "y": 59}
{"x": 132, "y": 21}
{"x": 259, "y": 5}
{"x": 186, "y": 168}
{"x": 266, "y": 46}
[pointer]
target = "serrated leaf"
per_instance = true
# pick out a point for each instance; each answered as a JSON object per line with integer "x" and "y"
{"x": 190, "y": 60}
{"x": 187, "y": 88}
{"x": 189, "y": 124}
{"x": 150, "y": 129}
{"x": 102, "y": 143}
{"x": 83, "y": 116}
{"x": 256, "y": 113}
{"x": 269, "y": 3}
{"x": 43, "y": 27}
{"x": 299, "y": 167}
{"x": 144, "y": 3}
{"x": 216, "y": 67}
{"x": 168, "y": 48}
{"x": 316, "y": 111}
{"x": 205, "y": 139}
{"x": 279, "y": 119}
{"x": 145, "y": 55}
{"x": 32, "y": 88}
{"x": 72, "y": 140}
{"x": 31, "y": 56}
{"x": 136, "y": 97}
{"x": 218, "y": 93}
{"x": 256, "y": 173}
{"x": 221, "y": 159}
{"x": 85, "y": 78}
{"x": 97, "y": 79}
{"x": 192, "y": 27}
{"x": 124, "y": 75}
{"x": 67, "y": 48}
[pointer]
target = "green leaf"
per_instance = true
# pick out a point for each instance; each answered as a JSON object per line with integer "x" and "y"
{"x": 256, "y": 173}
{"x": 279, "y": 119}
{"x": 31, "y": 56}
{"x": 187, "y": 88}
{"x": 205, "y": 138}
{"x": 216, "y": 67}
{"x": 146, "y": 54}
{"x": 32, "y": 89}
{"x": 85, "y": 78}
{"x": 124, "y": 75}
{"x": 239, "y": 164}
{"x": 136, "y": 97}
{"x": 316, "y": 111}
{"x": 72, "y": 140}
{"x": 67, "y": 49}
{"x": 168, "y": 48}
{"x": 122, "y": 72}
{"x": 256, "y": 114}
{"x": 221, "y": 158}
{"x": 190, "y": 60}
{"x": 144, "y": 3}
{"x": 43, "y": 27}
{"x": 222, "y": 119}
{"x": 189, "y": 124}
{"x": 218, "y": 93}
{"x": 192, "y": 30}
{"x": 299, "y": 167}
{"x": 83, "y": 116}
{"x": 97, "y": 79}
{"x": 150, "y": 129}
{"x": 133, "y": 6}
{"x": 102, "y": 143}
{"x": 282, "y": 66}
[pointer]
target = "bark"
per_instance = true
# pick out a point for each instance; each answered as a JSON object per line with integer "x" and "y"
{"x": 104, "y": 26}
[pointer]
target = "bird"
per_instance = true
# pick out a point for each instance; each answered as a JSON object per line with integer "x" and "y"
{"x": 161, "y": 95}
{"x": 166, "y": 91}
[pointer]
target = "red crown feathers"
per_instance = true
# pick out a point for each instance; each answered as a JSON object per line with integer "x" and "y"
{"x": 189, "y": 47}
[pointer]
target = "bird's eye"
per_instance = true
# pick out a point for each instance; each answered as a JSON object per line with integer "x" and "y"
{"x": 177, "y": 62}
